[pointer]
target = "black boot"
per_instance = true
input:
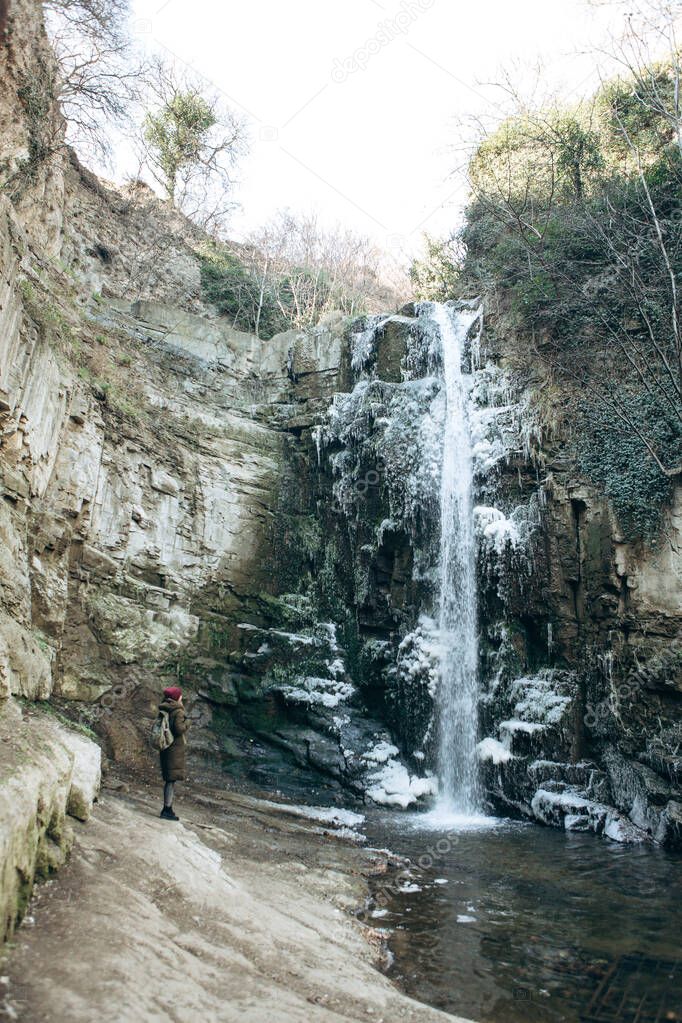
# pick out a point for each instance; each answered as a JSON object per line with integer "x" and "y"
{"x": 167, "y": 814}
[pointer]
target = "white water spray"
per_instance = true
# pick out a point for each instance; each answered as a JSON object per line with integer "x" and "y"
{"x": 458, "y": 694}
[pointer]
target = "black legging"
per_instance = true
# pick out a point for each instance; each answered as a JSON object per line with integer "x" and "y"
{"x": 168, "y": 793}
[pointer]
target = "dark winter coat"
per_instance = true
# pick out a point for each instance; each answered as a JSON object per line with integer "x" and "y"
{"x": 173, "y": 758}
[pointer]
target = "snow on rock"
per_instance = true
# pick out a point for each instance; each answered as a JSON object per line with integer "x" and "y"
{"x": 619, "y": 829}
{"x": 539, "y": 699}
{"x": 395, "y": 425}
{"x": 336, "y": 667}
{"x": 486, "y": 454}
{"x": 382, "y": 752}
{"x": 344, "y": 822}
{"x": 391, "y": 784}
{"x": 541, "y": 702}
{"x": 293, "y": 638}
{"x": 515, "y": 725}
{"x": 325, "y": 692}
{"x": 573, "y": 811}
{"x": 317, "y": 690}
{"x": 86, "y": 773}
{"x": 420, "y": 655}
{"x": 363, "y": 344}
{"x": 568, "y": 809}
{"x": 503, "y": 422}
{"x": 493, "y": 750}
{"x": 386, "y": 526}
{"x": 495, "y": 530}
{"x": 347, "y": 834}
{"x": 334, "y": 815}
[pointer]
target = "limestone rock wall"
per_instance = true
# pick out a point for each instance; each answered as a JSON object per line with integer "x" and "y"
{"x": 32, "y": 156}
{"x": 137, "y": 523}
{"x": 48, "y": 774}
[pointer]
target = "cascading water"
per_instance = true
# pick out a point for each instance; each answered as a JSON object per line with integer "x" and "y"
{"x": 420, "y": 428}
{"x": 457, "y": 698}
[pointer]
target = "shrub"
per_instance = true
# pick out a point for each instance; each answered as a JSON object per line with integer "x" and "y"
{"x": 232, "y": 288}
{"x": 574, "y": 234}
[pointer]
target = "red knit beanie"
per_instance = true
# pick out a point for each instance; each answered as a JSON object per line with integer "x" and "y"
{"x": 173, "y": 693}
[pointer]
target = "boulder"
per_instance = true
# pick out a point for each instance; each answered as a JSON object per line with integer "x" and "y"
{"x": 573, "y": 811}
{"x": 86, "y": 775}
{"x": 669, "y": 832}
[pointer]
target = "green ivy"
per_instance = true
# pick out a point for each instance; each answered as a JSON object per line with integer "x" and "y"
{"x": 614, "y": 457}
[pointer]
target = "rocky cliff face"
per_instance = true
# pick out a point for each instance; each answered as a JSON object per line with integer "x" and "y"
{"x": 158, "y": 516}
{"x": 583, "y": 664}
{"x": 137, "y": 512}
{"x": 580, "y": 654}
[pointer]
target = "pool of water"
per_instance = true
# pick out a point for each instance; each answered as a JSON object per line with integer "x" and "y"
{"x": 505, "y": 922}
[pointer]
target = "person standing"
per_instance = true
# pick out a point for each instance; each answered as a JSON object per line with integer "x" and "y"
{"x": 173, "y": 757}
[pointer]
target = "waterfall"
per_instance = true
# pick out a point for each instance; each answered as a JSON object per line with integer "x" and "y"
{"x": 457, "y": 695}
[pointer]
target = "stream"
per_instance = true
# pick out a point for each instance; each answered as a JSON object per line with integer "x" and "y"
{"x": 515, "y": 923}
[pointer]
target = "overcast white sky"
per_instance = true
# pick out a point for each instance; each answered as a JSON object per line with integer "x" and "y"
{"x": 352, "y": 103}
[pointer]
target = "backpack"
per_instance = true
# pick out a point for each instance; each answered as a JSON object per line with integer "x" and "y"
{"x": 162, "y": 736}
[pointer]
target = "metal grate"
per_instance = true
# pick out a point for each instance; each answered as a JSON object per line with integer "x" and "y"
{"x": 638, "y": 989}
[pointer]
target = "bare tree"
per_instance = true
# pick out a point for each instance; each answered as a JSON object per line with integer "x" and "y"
{"x": 293, "y": 271}
{"x": 318, "y": 269}
{"x": 100, "y": 76}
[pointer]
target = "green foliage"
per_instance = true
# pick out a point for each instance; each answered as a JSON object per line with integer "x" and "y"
{"x": 435, "y": 276}
{"x": 557, "y": 150}
{"x": 615, "y": 457}
{"x": 36, "y": 93}
{"x": 574, "y": 234}
{"x": 226, "y": 283}
{"x": 36, "y": 98}
{"x": 632, "y": 112}
{"x": 50, "y": 321}
{"x": 234, "y": 289}
{"x": 305, "y": 290}
{"x": 76, "y": 726}
{"x": 578, "y": 154}
{"x": 265, "y": 299}
{"x": 535, "y": 295}
{"x": 178, "y": 134}
{"x": 114, "y": 393}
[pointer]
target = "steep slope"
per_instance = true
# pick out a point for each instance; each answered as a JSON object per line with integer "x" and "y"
{"x": 581, "y": 637}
